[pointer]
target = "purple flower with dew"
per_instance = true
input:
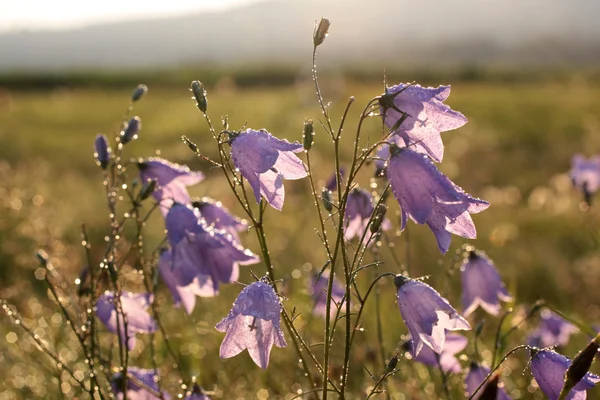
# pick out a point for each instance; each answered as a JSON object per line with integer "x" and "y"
{"x": 585, "y": 174}
{"x": 475, "y": 376}
{"x": 427, "y": 116}
{"x": 201, "y": 253}
{"x": 102, "y": 150}
{"x": 481, "y": 284}
{"x": 219, "y": 217}
{"x": 331, "y": 183}
{"x": 548, "y": 369}
{"x": 359, "y": 208}
{"x": 265, "y": 161}
{"x": 428, "y": 196}
{"x": 197, "y": 394}
{"x": 172, "y": 180}
{"x": 427, "y": 315}
{"x": 553, "y": 330}
{"x": 319, "y": 294}
{"x": 134, "y": 306}
{"x": 131, "y": 130}
{"x": 453, "y": 345}
{"x": 135, "y": 389}
{"x": 253, "y": 324}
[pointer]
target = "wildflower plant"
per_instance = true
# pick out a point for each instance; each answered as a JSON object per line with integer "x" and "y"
{"x": 203, "y": 250}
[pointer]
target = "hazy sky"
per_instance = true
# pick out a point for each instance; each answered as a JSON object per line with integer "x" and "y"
{"x": 60, "y": 14}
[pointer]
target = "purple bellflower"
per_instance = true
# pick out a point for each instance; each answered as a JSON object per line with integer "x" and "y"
{"x": 265, "y": 161}
{"x": 202, "y": 253}
{"x": 553, "y": 330}
{"x": 359, "y": 208}
{"x": 453, "y": 345}
{"x": 585, "y": 174}
{"x": 481, "y": 284}
{"x": 182, "y": 294}
{"x": 475, "y": 376}
{"x": 383, "y": 155}
{"x": 134, "y": 306}
{"x": 548, "y": 369}
{"x": 428, "y": 196}
{"x": 427, "y": 315}
{"x": 102, "y": 150}
{"x": 426, "y": 117}
{"x": 135, "y": 390}
{"x": 319, "y": 294}
{"x": 219, "y": 217}
{"x": 172, "y": 180}
{"x": 253, "y": 324}
{"x": 331, "y": 183}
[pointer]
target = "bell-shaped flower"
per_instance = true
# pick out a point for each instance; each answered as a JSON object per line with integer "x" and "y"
{"x": 428, "y": 196}
{"x": 318, "y": 291}
{"x": 427, "y": 315}
{"x": 477, "y": 374}
{"x": 553, "y": 330}
{"x": 481, "y": 284}
{"x": 134, "y": 306}
{"x": 425, "y": 116}
{"x": 137, "y": 385}
{"x": 548, "y": 369}
{"x": 359, "y": 208}
{"x": 253, "y": 323}
{"x": 202, "y": 253}
{"x": 585, "y": 174}
{"x": 447, "y": 360}
{"x": 265, "y": 161}
{"x": 219, "y": 217}
{"x": 172, "y": 181}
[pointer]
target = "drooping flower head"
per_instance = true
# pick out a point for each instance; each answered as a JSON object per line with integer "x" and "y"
{"x": 553, "y": 330}
{"x": 319, "y": 294}
{"x": 172, "y": 180}
{"x": 428, "y": 196}
{"x": 253, "y": 323}
{"x": 202, "y": 253}
{"x": 134, "y": 306}
{"x": 585, "y": 174}
{"x": 219, "y": 217}
{"x": 427, "y": 315}
{"x": 548, "y": 369}
{"x": 475, "y": 376}
{"x": 453, "y": 345}
{"x": 481, "y": 284}
{"x": 102, "y": 150}
{"x": 265, "y": 161}
{"x": 137, "y": 386}
{"x": 425, "y": 116}
{"x": 359, "y": 208}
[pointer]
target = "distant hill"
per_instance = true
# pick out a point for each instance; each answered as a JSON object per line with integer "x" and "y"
{"x": 496, "y": 32}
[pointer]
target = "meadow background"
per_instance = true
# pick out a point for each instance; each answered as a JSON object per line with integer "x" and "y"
{"x": 525, "y": 123}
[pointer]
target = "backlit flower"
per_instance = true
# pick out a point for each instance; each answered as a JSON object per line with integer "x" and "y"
{"x": 585, "y": 174}
{"x": 137, "y": 386}
{"x": 475, "y": 376}
{"x": 428, "y": 196}
{"x": 553, "y": 330}
{"x": 219, "y": 217}
{"x": 481, "y": 284}
{"x": 265, "y": 161}
{"x": 319, "y": 294}
{"x": 453, "y": 345}
{"x": 427, "y": 315}
{"x": 359, "y": 208}
{"x": 253, "y": 324}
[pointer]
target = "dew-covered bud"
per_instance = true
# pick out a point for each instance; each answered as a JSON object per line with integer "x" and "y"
{"x": 131, "y": 130}
{"x": 308, "y": 134}
{"x": 326, "y": 196}
{"x": 147, "y": 189}
{"x": 392, "y": 364}
{"x": 102, "y": 151}
{"x": 581, "y": 363}
{"x": 200, "y": 95}
{"x": 139, "y": 92}
{"x": 190, "y": 144}
{"x": 490, "y": 390}
{"x": 378, "y": 218}
{"x": 321, "y": 31}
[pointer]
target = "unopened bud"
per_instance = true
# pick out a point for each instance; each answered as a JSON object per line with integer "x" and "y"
{"x": 308, "y": 134}
{"x": 197, "y": 89}
{"x": 102, "y": 151}
{"x": 326, "y": 196}
{"x": 392, "y": 364}
{"x": 479, "y": 329}
{"x": 131, "y": 130}
{"x": 378, "y": 218}
{"x": 490, "y": 390}
{"x": 190, "y": 144}
{"x": 582, "y": 362}
{"x": 147, "y": 189}
{"x": 139, "y": 92}
{"x": 321, "y": 31}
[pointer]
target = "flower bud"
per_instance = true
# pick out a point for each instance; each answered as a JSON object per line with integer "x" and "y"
{"x": 147, "y": 189}
{"x": 200, "y": 95}
{"x": 326, "y": 196}
{"x": 378, "y": 218}
{"x": 392, "y": 364}
{"x": 581, "y": 363}
{"x": 308, "y": 134}
{"x": 321, "y": 31}
{"x": 139, "y": 92}
{"x": 490, "y": 390}
{"x": 102, "y": 151}
{"x": 190, "y": 144}
{"x": 130, "y": 132}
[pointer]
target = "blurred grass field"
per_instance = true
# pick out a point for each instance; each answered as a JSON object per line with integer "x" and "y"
{"x": 514, "y": 152}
